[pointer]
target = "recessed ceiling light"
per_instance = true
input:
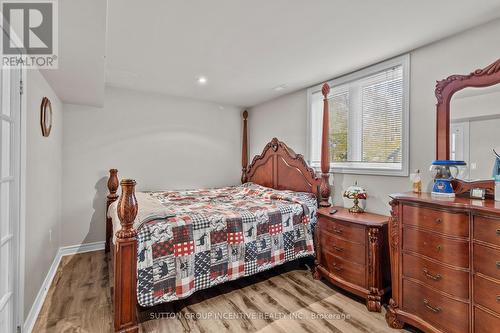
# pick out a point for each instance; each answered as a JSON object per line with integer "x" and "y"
{"x": 202, "y": 80}
{"x": 280, "y": 87}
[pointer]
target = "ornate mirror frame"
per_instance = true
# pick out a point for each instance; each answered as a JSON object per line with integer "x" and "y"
{"x": 445, "y": 89}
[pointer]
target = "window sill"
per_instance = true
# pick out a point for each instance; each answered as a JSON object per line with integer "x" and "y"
{"x": 364, "y": 171}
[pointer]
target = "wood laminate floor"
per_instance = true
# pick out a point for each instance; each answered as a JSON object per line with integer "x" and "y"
{"x": 285, "y": 299}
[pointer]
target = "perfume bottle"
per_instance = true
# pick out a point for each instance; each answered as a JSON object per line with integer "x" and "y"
{"x": 416, "y": 181}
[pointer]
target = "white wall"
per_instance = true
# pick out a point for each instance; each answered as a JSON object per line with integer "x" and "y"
{"x": 286, "y": 117}
{"x": 162, "y": 142}
{"x": 43, "y": 186}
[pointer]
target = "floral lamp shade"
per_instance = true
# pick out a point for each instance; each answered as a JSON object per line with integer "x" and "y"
{"x": 358, "y": 196}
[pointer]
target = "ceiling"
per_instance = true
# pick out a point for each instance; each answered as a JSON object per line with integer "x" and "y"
{"x": 244, "y": 48}
{"x": 80, "y": 76}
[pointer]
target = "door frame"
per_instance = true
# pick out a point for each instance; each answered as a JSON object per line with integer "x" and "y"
{"x": 22, "y": 200}
{"x": 19, "y": 274}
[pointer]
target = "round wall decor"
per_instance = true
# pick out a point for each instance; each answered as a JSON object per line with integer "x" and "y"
{"x": 46, "y": 116}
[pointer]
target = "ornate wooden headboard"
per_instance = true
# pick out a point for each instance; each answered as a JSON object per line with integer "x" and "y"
{"x": 279, "y": 167}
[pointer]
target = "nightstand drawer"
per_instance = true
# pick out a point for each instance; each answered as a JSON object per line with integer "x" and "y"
{"x": 350, "y": 231}
{"x": 454, "y": 224}
{"x": 346, "y": 270}
{"x": 341, "y": 248}
{"x": 449, "y": 251}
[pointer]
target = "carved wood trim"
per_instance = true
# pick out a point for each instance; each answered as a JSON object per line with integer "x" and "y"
{"x": 394, "y": 240}
{"x": 374, "y": 278}
{"x": 325, "y": 151}
{"x": 279, "y": 167}
{"x": 445, "y": 89}
{"x": 125, "y": 262}
{"x": 317, "y": 258}
{"x": 462, "y": 186}
{"x": 112, "y": 197}
{"x": 394, "y": 225}
{"x": 391, "y": 316}
{"x": 244, "y": 149}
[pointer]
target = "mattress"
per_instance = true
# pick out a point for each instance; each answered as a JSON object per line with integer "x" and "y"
{"x": 196, "y": 239}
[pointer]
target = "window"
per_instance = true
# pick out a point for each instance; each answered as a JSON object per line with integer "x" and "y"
{"x": 368, "y": 120}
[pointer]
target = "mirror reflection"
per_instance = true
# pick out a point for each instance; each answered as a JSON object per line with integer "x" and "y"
{"x": 474, "y": 131}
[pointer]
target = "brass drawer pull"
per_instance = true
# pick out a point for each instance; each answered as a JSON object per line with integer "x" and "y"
{"x": 498, "y": 264}
{"x": 498, "y": 232}
{"x": 336, "y": 267}
{"x": 337, "y": 231}
{"x": 430, "y": 307}
{"x": 436, "y": 277}
{"x": 338, "y": 249}
{"x": 439, "y": 248}
{"x": 498, "y": 298}
{"x": 439, "y": 221}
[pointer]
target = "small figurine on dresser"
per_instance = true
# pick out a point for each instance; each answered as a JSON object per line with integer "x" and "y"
{"x": 357, "y": 196}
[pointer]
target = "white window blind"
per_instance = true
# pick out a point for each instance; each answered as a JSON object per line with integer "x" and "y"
{"x": 368, "y": 120}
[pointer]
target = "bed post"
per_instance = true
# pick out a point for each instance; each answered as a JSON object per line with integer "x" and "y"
{"x": 112, "y": 196}
{"x": 244, "y": 150}
{"x": 125, "y": 262}
{"x": 324, "y": 189}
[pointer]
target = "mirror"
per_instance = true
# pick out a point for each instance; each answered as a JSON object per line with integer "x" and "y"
{"x": 474, "y": 135}
{"x": 471, "y": 94}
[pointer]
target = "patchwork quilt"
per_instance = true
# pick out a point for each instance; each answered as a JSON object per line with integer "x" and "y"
{"x": 218, "y": 235}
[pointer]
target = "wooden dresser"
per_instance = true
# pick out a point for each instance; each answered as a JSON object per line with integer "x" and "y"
{"x": 445, "y": 262}
{"x": 352, "y": 252}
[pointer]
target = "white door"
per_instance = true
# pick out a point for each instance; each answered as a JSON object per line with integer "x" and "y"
{"x": 9, "y": 193}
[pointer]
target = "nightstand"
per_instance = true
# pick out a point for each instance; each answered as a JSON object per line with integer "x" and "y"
{"x": 352, "y": 253}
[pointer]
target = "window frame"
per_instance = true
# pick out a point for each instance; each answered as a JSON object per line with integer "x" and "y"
{"x": 366, "y": 168}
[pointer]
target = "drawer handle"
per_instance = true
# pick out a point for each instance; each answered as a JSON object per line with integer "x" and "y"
{"x": 338, "y": 249}
{"x": 498, "y": 232}
{"x": 498, "y": 264}
{"x": 439, "y": 221}
{"x": 436, "y": 277}
{"x": 337, "y": 231}
{"x": 430, "y": 307}
{"x": 336, "y": 267}
{"x": 498, "y": 298}
{"x": 439, "y": 248}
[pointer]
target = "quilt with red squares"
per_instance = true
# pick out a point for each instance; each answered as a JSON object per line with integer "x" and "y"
{"x": 218, "y": 235}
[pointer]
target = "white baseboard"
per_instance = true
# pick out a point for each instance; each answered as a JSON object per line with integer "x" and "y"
{"x": 82, "y": 248}
{"x": 42, "y": 293}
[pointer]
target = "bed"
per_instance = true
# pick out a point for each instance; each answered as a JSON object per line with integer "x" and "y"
{"x": 167, "y": 245}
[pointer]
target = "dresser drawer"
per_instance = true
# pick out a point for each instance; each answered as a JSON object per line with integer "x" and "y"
{"x": 350, "y": 231}
{"x": 487, "y": 293}
{"x": 346, "y": 270}
{"x": 454, "y": 224}
{"x": 487, "y": 230}
{"x": 487, "y": 261}
{"x": 453, "y": 252}
{"x": 442, "y": 312}
{"x": 485, "y": 322}
{"x": 451, "y": 281}
{"x": 340, "y": 247}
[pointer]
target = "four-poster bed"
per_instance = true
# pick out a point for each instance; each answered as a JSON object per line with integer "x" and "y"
{"x": 278, "y": 174}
